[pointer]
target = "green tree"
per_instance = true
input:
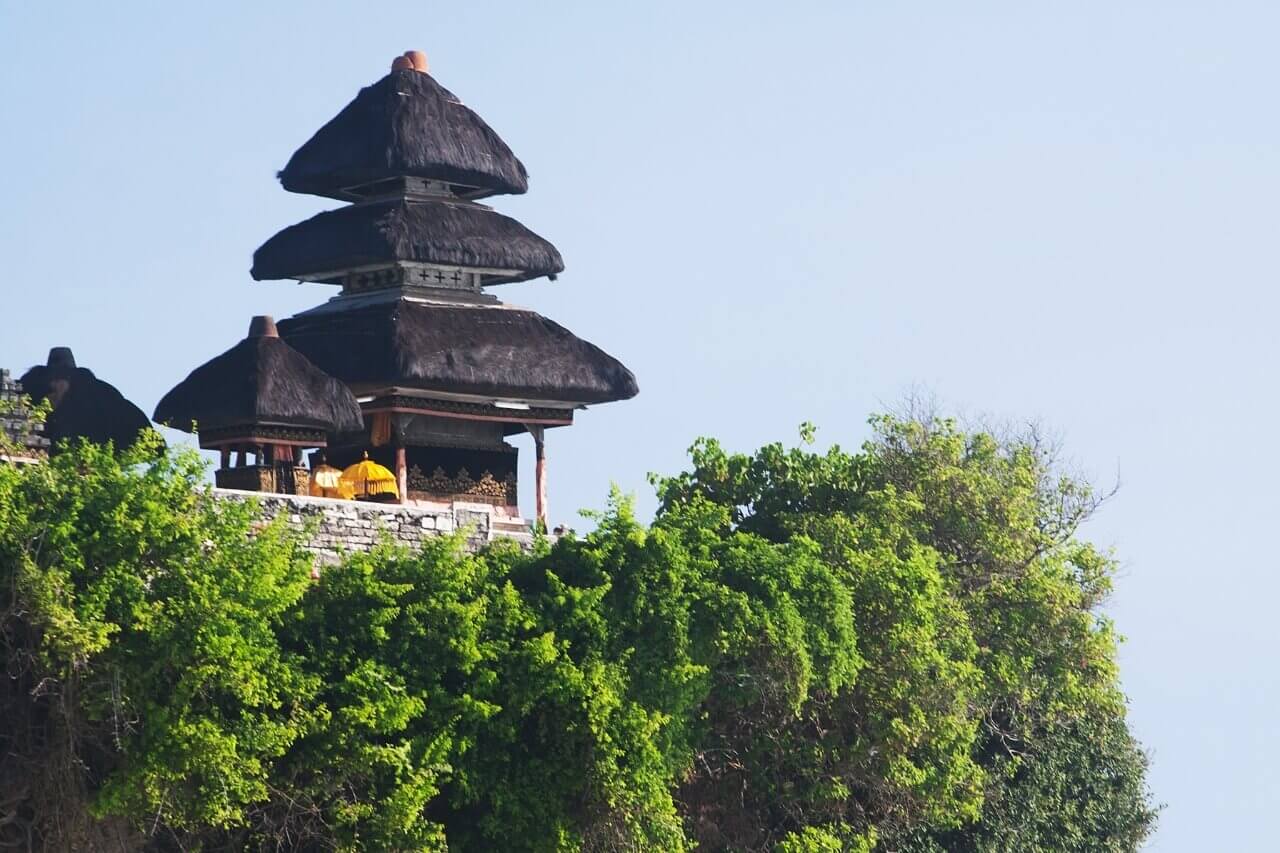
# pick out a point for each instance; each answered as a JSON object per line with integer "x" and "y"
{"x": 138, "y": 620}
{"x": 543, "y": 701}
{"x": 895, "y": 649}
{"x": 1016, "y": 668}
{"x": 471, "y": 698}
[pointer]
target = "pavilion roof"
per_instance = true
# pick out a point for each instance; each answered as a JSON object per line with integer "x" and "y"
{"x": 485, "y": 350}
{"x": 405, "y": 124}
{"x": 462, "y": 234}
{"x": 260, "y": 381}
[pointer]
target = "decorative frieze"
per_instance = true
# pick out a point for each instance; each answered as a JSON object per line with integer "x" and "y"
{"x": 262, "y": 434}
{"x": 440, "y": 484}
{"x": 429, "y": 405}
{"x": 411, "y": 274}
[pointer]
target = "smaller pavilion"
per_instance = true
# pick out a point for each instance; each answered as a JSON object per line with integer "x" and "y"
{"x": 264, "y": 402}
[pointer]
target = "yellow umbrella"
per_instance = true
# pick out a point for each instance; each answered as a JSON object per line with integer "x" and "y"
{"x": 368, "y": 479}
{"x": 326, "y": 482}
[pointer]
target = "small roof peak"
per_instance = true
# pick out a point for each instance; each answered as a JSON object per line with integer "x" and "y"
{"x": 263, "y": 326}
{"x": 62, "y": 357}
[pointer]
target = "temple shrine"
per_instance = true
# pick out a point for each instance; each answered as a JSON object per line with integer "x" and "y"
{"x": 414, "y": 365}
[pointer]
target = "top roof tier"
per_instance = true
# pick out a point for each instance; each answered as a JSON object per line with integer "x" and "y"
{"x": 404, "y": 125}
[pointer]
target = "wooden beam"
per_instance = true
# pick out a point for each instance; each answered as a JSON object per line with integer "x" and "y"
{"x": 540, "y": 473}
{"x": 516, "y": 418}
{"x": 240, "y": 441}
{"x": 402, "y": 474}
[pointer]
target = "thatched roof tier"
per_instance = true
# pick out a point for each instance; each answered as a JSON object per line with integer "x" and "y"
{"x": 456, "y": 234}
{"x": 487, "y": 351}
{"x": 259, "y": 381}
{"x": 83, "y": 406}
{"x": 406, "y": 124}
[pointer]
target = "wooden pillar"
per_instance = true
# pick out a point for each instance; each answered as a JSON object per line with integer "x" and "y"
{"x": 225, "y": 457}
{"x": 240, "y": 460}
{"x": 540, "y": 475}
{"x": 402, "y": 474}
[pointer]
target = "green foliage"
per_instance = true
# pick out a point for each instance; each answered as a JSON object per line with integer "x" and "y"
{"x": 893, "y": 649}
{"x": 832, "y": 839}
{"x": 987, "y": 668}
{"x": 138, "y": 621}
{"x": 1079, "y": 786}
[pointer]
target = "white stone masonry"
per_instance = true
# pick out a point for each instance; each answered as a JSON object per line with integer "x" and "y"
{"x": 358, "y": 526}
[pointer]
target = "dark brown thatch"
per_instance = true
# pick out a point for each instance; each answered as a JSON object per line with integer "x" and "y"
{"x": 404, "y": 124}
{"x": 435, "y": 232}
{"x": 490, "y": 351}
{"x": 83, "y": 405}
{"x": 260, "y": 381}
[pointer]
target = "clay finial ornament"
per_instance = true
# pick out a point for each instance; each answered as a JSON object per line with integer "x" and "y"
{"x": 263, "y": 326}
{"x": 418, "y": 58}
{"x": 410, "y": 60}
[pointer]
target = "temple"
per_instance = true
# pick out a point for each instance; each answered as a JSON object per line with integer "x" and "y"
{"x": 441, "y": 372}
{"x": 407, "y": 384}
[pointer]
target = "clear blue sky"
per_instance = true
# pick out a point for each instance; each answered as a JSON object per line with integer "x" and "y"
{"x": 773, "y": 213}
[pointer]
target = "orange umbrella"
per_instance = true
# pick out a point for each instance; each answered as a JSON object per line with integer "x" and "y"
{"x": 367, "y": 479}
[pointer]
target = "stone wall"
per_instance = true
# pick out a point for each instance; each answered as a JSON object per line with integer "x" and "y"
{"x": 23, "y": 439}
{"x": 358, "y": 526}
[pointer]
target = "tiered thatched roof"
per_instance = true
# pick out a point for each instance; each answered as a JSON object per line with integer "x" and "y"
{"x": 83, "y": 405}
{"x": 483, "y": 350}
{"x": 459, "y": 234}
{"x": 405, "y": 124}
{"x": 260, "y": 381}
